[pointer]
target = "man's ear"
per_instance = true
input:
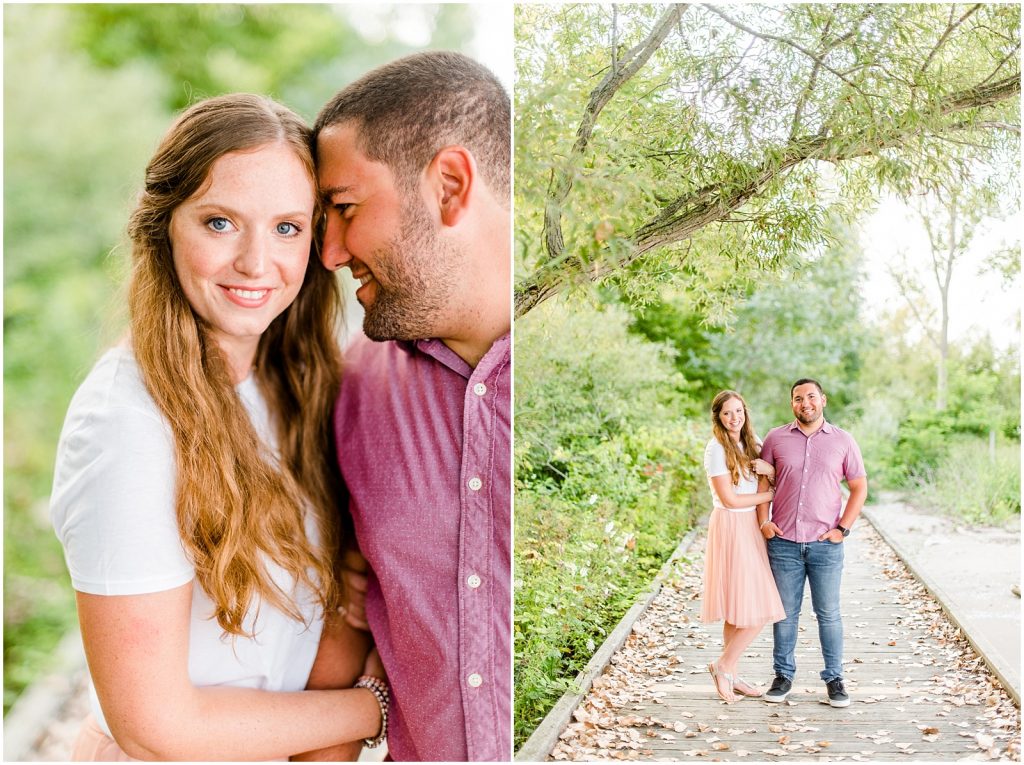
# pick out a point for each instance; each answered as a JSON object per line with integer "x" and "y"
{"x": 451, "y": 176}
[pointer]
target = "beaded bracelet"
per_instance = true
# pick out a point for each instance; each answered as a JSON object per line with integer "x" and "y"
{"x": 379, "y": 689}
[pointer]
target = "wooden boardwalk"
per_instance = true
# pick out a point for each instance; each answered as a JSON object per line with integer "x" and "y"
{"x": 917, "y": 689}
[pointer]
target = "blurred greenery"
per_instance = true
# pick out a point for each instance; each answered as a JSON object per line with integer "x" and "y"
{"x": 88, "y": 91}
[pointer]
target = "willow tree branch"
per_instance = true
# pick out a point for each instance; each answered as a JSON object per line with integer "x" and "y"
{"x": 1011, "y": 55}
{"x": 950, "y": 28}
{"x": 684, "y": 216}
{"x": 622, "y": 70}
{"x": 817, "y": 58}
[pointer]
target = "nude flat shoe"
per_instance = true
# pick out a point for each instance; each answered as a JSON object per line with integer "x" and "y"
{"x": 743, "y": 688}
{"x": 715, "y": 675}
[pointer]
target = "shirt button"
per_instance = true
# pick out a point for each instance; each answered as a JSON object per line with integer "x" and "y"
{"x": 474, "y": 680}
{"x": 473, "y": 581}
{"x": 475, "y": 483}
{"x": 479, "y": 389}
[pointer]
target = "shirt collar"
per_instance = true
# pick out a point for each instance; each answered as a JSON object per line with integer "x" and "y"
{"x": 825, "y": 427}
{"x": 496, "y": 355}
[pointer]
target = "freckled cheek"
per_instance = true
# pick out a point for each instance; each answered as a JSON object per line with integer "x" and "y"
{"x": 293, "y": 265}
{"x": 195, "y": 264}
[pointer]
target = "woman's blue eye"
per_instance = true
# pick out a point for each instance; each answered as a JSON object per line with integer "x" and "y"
{"x": 287, "y": 229}
{"x": 218, "y": 224}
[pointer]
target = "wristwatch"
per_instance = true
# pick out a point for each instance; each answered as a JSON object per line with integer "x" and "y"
{"x": 846, "y": 532}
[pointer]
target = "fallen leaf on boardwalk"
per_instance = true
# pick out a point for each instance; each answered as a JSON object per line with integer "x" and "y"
{"x": 825, "y": 743}
{"x": 892, "y": 642}
{"x": 776, "y": 752}
{"x": 783, "y": 740}
{"x": 741, "y": 753}
{"x": 775, "y": 728}
{"x": 984, "y": 740}
{"x": 927, "y": 729}
{"x": 720, "y": 746}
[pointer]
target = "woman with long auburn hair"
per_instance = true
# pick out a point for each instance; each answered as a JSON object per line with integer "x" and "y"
{"x": 739, "y": 588}
{"x": 195, "y": 491}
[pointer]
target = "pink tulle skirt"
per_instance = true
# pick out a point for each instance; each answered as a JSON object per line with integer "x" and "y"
{"x": 738, "y": 583}
{"x": 93, "y": 745}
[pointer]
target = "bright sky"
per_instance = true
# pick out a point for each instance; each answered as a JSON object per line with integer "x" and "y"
{"x": 411, "y": 23}
{"x": 980, "y": 303}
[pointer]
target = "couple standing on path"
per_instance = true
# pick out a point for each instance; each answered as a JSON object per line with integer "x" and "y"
{"x": 778, "y": 521}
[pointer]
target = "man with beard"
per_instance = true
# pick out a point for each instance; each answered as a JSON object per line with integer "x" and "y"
{"x": 806, "y": 532}
{"x": 414, "y": 169}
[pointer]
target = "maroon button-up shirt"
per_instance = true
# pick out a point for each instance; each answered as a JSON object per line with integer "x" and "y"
{"x": 424, "y": 444}
{"x": 808, "y": 469}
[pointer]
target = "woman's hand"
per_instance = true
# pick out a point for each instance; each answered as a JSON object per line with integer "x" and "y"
{"x": 769, "y": 530}
{"x": 761, "y": 467}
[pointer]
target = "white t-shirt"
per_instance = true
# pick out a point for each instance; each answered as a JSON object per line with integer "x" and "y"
{"x": 714, "y": 464}
{"x": 113, "y": 508}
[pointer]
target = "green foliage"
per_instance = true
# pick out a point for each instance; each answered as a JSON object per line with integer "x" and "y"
{"x": 298, "y": 53}
{"x": 735, "y": 147}
{"x": 973, "y": 482}
{"x": 608, "y": 478}
{"x": 906, "y": 438}
{"x": 804, "y": 322}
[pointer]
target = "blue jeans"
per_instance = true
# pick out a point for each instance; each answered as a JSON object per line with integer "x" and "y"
{"x": 820, "y": 563}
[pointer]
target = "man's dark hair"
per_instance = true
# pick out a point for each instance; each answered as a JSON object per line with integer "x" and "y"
{"x": 804, "y": 381}
{"x": 407, "y": 110}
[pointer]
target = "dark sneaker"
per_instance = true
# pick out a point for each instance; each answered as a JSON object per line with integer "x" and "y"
{"x": 781, "y": 686}
{"x": 837, "y": 695}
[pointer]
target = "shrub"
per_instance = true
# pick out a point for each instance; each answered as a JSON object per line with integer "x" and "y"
{"x": 607, "y": 481}
{"x": 973, "y": 483}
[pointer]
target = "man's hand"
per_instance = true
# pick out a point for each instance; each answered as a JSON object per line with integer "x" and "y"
{"x": 835, "y": 536}
{"x": 769, "y": 530}
{"x": 353, "y": 576}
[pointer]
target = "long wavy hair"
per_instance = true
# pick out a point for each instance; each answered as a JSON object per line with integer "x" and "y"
{"x": 239, "y": 508}
{"x": 736, "y": 460}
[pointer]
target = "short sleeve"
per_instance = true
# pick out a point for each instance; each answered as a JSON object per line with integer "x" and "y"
{"x": 768, "y": 449}
{"x": 853, "y": 462}
{"x": 113, "y": 496}
{"x": 714, "y": 459}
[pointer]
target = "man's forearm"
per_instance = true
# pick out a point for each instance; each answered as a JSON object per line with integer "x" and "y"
{"x": 854, "y": 504}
